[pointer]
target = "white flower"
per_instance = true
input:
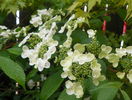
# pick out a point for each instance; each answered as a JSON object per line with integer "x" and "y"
{"x": 25, "y": 40}
{"x": 69, "y": 84}
{"x": 66, "y": 63}
{"x": 121, "y": 52}
{"x": 66, "y": 24}
{"x": 70, "y": 91}
{"x": 5, "y": 34}
{"x": 75, "y": 55}
{"x": 79, "y": 91}
{"x": 43, "y": 32}
{"x": 120, "y": 75}
{"x": 129, "y": 50}
{"x": 26, "y": 52}
{"x": 96, "y": 80}
{"x": 36, "y": 21}
{"x": 52, "y": 42}
{"x": 79, "y": 47}
{"x": 85, "y": 58}
{"x": 47, "y": 64}
{"x": 68, "y": 42}
{"x": 113, "y": 58}
{"x": 129, "y": 76}
{"x": 33, "y": 57}
{"x": 41, "y": 64}
{"x": 80, "y": 19}
{"x": 69, "y": 53}
{"x": 96, "y": 73}
{"x": 64, "y": 74}
{"x": 91, "y": 33}
{"x": 3, "y": 27}
{"x": 43, "y": 12}
{"x": 74, "y": 88}
{"x": 47, "y": 56}
{"x": 52, "y": 50}
{"x": 105, "y": 50}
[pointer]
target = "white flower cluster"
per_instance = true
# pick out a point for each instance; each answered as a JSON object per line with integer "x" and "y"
{"x": 91, "y": 33}
{"x": 74, "y": 88}
{"x": 37, "y": 19}
{"x": 71, "y": 25}
{"x": 80, "y": 58}
{"x": 123, "y": 52}
{"x": 115, "y": 58}
{"x": 7, "y": 33}
{"x": 111, "y": 57}
{"x": 43, "y": 49}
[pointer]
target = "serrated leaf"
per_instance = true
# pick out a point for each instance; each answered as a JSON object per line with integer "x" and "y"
{"x": 51, "y": 85}
{"x": 65, "y": 96}
{"x": 12, "y": 70}
{"x": 106, "y": 91}
{"x": 125, "y": 95}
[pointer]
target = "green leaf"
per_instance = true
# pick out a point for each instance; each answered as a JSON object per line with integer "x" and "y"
{"x": 102, "y": 38}
{"x": 80, "y": 36}
{"x": 106, "y": 91}
{"x": 31, "y": 74}
{"x": 65, "y": 96}
{"x": 15, "y": 50}
{"x": 103, "y": 66}
{"x": 72, "y": 7}
{"x": 51, "y": 85}
{"x": 12, "y": 70}
{"x": 107, "y": 18}
{"x": 95, "y": 23}
{"x": 91, "y": 4}
{"x": 125, "y": 95}
{"x": 4, "y": 53}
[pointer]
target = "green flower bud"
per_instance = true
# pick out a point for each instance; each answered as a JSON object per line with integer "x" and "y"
{"x": 33, "y": 40}
{"x": 81, "y": 72}
{"x": 43, "y": 49}
{"x": 62, "y": 53}
{"x": 94, "y": 47}
{"x": 126, "y": 62}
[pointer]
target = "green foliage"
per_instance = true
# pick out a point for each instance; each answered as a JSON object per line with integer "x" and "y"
{"x": 80, "y": 36}
{"x": 125, "y": 95}
{"x": 51, "y": 85}
{"x": 106, "y": 91}
{"x": 13, "y": 70}
{"x": 15, "y": 50}
{"x": 65, "y": 96}
{"x": 12, "y": 5}
{"x": 92, "y": 3}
